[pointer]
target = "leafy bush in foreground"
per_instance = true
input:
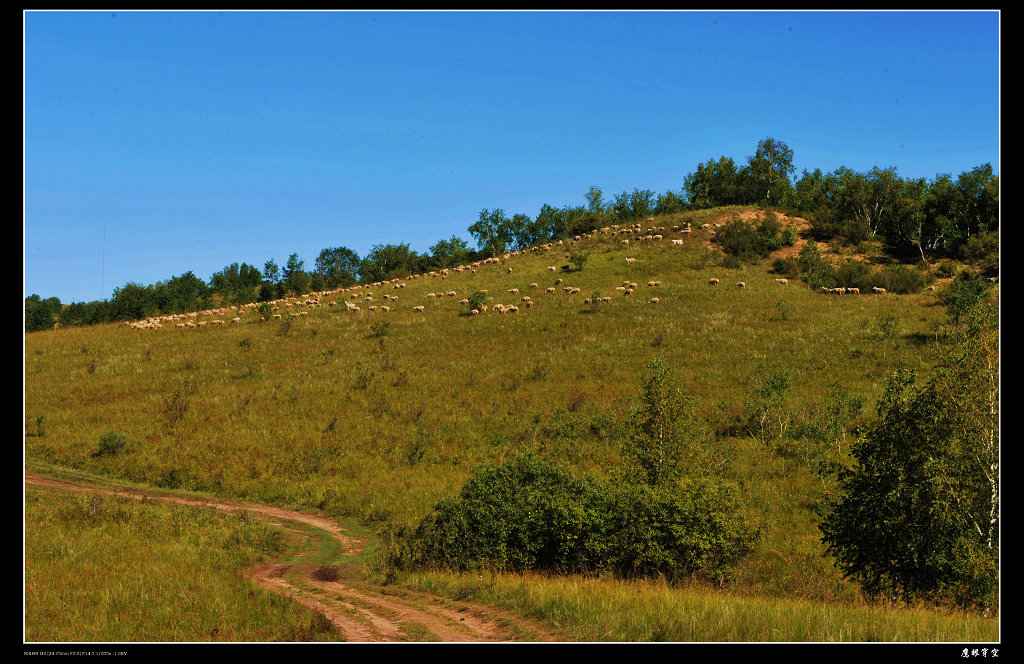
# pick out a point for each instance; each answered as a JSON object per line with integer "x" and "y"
{"x": 529, "y": 514}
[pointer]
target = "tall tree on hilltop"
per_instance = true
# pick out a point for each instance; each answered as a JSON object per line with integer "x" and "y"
{"x": 338, "y": 266}
{"x": 714, "y": 183}
{"x": 767, "y": 173}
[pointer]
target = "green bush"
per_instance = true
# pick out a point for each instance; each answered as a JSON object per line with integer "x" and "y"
{"x": 111, "y": 443}
{"x": 739, "y": 239}
{"x": 526, "y": 514}
{"x": 983, "y": 250}
{"x": 685, "y": 530}
{"x": 477, "y": 299}
{"x": 786, "y": 267}
{"x": 900, "y": 279}
{"x": 961, "y": 295}
{"x": 529, "y": 514}
{"x": 855, "y": 274}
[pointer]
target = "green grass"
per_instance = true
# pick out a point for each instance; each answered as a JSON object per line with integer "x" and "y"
{"x": 102, "y": 568}
{"x": 338, "y": 417}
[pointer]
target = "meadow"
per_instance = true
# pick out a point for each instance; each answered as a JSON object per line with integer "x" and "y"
{"x": 370, "y": 417}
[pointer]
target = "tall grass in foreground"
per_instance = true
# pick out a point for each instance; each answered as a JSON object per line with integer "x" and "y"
{"x": 101, "y": 568}
{"x": 596, "y": 610}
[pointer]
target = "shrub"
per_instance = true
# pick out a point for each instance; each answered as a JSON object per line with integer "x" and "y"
{"x": 526, "y": 514}
{"x": 529, "y": 514}
{"x": 900, "y": 279}
{"x": 738, "y": 238}
{"x": 690, "y": 529}
{"x": 476, "y": 299}
{"x": 111, "y": 443}
{"x": 855, "y": 274}
{"x": 786, "y": 267}
{"x": 578, "y": 259}
{"x": 961, "y": 295}
{"x": 983, "y": 250}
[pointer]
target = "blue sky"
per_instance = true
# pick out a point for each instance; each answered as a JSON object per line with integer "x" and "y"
{"x": 156, "y": 143}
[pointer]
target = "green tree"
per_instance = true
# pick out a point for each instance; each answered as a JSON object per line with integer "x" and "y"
{"x": 595, "y": 200}
{"x": 339, "y": 266}
{"x": 917, "y": 514}
{"x": 662, "y": 431}
{"x": 767, "y": 173}
{"x": 296, "y": 280}
{"x": 669, "y": 202}
{"x": 492, "y": 232}
{"x": 133, "y": 301}
{"x": 184, "y": 293}
{"x": 714, "y": 183}
{"x": 387, "y": 261}
{"x": 629, "y": 206}
{"x": 449, "y": 253}
{"x": 39, "y": 313}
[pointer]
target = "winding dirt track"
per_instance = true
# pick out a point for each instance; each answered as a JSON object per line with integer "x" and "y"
{"x": 359, "y": 609}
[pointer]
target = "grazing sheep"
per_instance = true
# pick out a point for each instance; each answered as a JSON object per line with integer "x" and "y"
{"x": 513, "y": 291}
{"x": 534, "y": 286}
{"x": 855, "y": 291}
{"x": 878, "y": 290}
{"x": 782, "y": 282}
{"x": 713, "y": 282}
{"x": 552, "y": 268}
{"x": 654, "y": 300}
{"x": 741, "y": 284}
{"x": 385, "y": 308}
{"x": 238, "y": 320}
{"x": 840, "y": 290}
{"x": 475, "y": 312}
{"x": 419, "y": 308}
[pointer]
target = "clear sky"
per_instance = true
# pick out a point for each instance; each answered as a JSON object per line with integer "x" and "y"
{"x": 161, "y": 142}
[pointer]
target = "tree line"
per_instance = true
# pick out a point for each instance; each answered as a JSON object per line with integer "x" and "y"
{"x": 945, "y": 217}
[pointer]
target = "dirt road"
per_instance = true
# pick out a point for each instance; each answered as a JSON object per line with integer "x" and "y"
{"x": 361, "y": 610}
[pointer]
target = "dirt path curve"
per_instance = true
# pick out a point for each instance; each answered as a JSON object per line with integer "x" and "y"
{"x": 361, "y": 610}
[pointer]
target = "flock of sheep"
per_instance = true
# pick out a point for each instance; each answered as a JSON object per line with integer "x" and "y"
{"x": 365, "y": 292}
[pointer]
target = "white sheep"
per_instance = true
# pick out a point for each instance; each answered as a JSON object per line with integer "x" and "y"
{"x": 713, "y": 282}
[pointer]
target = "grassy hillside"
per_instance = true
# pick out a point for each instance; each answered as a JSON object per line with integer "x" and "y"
{"x": 375, "y": 415}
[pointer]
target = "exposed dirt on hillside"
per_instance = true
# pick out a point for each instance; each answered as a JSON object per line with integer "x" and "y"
{"x": 361, "y": 610}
